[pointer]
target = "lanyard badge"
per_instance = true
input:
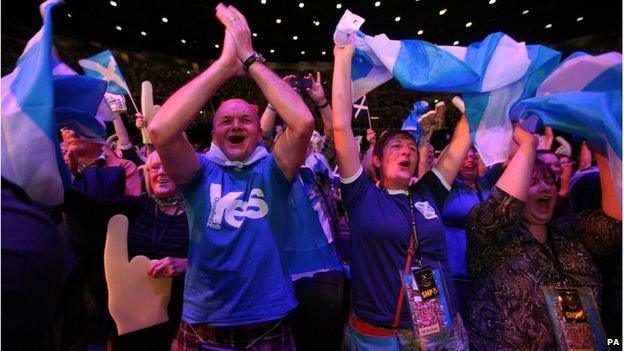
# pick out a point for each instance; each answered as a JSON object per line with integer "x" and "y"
{"x": 575, "y": 318}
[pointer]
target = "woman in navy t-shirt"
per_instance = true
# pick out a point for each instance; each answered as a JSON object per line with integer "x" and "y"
{"x": 383, "y": 219}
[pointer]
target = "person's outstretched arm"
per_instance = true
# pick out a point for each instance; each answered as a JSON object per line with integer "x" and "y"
{"x": 610, "y": 202}
{"x": 346, "y": 149}
{"x": 451, "y": 159}
{"x": 165, "y": 129}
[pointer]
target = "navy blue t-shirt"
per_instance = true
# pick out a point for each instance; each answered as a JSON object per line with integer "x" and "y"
{"x": 380, "y": 234}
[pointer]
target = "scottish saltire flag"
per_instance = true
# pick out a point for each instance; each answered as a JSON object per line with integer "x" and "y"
{"x": 583, "y": 97}
{"x": 307, "y": 247}
{"x": 104, "y": 66}
{"x": 74, "y": 101}
{"x": 31, "y": 156}
{"x": 492, "y": 75}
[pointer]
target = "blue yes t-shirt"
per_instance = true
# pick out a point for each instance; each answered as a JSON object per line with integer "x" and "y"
{"x": 380, "y": 235}
{"x": 236, "y": 272}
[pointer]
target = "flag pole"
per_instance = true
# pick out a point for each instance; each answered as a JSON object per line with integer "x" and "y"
{"x": 133, "y": 103}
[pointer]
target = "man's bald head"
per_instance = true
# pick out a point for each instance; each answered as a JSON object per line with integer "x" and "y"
{"x": 233, "y": 107}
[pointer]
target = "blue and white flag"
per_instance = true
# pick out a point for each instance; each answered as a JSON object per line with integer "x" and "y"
{"x": 104, "y": 66}
{"x": 583, "y": 97}
{"x": 31, "y": 155}
{"x": 492, "y": 75}
{"x": 411, "y": 124}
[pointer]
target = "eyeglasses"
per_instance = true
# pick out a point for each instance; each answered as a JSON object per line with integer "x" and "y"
{"x": 155, "y": 168}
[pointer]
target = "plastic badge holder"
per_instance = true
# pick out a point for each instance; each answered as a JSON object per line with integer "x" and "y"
{"x": 427, "y": 297}
{"x": 575, "y": 319}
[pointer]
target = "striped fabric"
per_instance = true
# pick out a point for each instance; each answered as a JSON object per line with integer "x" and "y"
{"x": 492, "y": 75}
{"x": 583, "y": 97}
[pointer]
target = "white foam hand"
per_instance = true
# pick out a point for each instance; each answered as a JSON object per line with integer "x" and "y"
{"x": 148, "y": 109}
{"x": 135, "y": 300}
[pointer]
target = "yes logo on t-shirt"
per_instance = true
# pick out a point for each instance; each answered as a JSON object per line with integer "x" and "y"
{"x": 234, "y": 210}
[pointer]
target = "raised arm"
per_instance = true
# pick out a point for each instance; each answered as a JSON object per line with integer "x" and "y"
{"x": 165, "y": 129}
{"x": 346, "y": 149}
{"x": 517, "y": 175}
{"x": 610, "y": 202}
{"x": 317, "y": 94}
{"x": 289, "y": 150}
{"x": 452, "y": 157}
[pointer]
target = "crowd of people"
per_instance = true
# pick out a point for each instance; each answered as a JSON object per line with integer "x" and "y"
{"x": 282, "y": 231}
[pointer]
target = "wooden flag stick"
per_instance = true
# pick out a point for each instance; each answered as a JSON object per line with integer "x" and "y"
{"x": 133, "y": 103}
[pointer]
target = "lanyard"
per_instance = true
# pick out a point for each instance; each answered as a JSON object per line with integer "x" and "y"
{"x": 411, "y": 251}
{"x": 553, "y": 256}
{"x": 156, "y": 239}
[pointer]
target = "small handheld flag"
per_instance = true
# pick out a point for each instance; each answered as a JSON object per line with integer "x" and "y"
{"x": 104, "y": 66}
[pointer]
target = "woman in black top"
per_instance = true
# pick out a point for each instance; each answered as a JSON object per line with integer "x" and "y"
{"x": 158, "y": 229}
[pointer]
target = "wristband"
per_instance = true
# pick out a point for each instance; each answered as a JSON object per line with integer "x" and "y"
{"x": 270, "y": 107}
{"x": 322, "y": 106}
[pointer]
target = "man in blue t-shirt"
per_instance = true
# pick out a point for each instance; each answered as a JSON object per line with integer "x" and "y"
{"x": 237, "y": 288}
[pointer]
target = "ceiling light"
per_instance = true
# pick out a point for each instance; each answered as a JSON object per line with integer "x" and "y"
{"x": 217, "y": 46}
{"x": 143, "y": 33}
{"x": 118, "y": 27}
{"x": 377, "y": 3}
{"x": 316, "y": 23}
{"x": 295, "y": 37}
{"x": 324, "y": 52}
{"x": 272, "y": 51}
{"x": 469, "y": 24}
{"x": 548, "y": 26}
{"x": 525, "y": 12}
{"x": 338, "y": 5}
{"x": 420, "y": 32}
{"x": 579, "y": 19}
{"x": 278, "y": 21}
{"x": 302, "y": 52}
{"x": 435, "y": 101}
{"x": 301, "y": 5}
{"x": 456, "y": 42}
{"x": 443, "y": 11}
{"x": 492, "y": 2}
{"x": 188, "y": 72}
{"x": 263, "y": 2}
{"x": 164, "y": 19}
{"x": 254, "y": 34}
{"x": 397, "y": 18}
{"x": 69, "y": 15}
{"x": 113, "y": 4}
{"x": 182, "y": 41}
{"x": 201, "y": 112}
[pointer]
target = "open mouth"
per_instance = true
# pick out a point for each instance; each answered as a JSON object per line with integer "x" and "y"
{"x": 404, "y": 163}
{"x": 543, "y": 203}
{"x": 236, "y": 139}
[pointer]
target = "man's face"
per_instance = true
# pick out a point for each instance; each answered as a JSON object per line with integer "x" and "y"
{"x": 79, "y": 145}
{"x": 236, "y": 129}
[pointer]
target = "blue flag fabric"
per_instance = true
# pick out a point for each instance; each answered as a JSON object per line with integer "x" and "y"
{"x": 411, "y": 124}
{"x": 38, "y": 97}
{"x": 583, "y": 97}
{"x": 31, "y": 156}
{"x": 492, "y": 75}
{"x": 103, "y": 66}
